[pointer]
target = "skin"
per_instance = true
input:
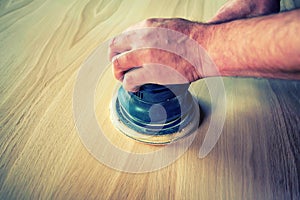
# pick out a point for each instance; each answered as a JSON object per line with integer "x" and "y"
{"x": 135, "y": 65}
{"x": 269, "y": 46}
{"x": 265, "y": 46}
{"x": 238, "y": 9}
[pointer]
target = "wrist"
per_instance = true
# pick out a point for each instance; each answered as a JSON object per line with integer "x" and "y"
{"x": 202, "y": 34}
{"x": 212, "y": 38}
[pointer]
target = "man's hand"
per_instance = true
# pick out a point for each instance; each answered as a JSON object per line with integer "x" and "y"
{"x": 173, "y": 51}
{"x": 237, "y": 9}
{"x": 142, "y": 53}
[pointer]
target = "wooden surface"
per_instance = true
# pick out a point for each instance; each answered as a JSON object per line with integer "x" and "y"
{"x": 43, "y": 43}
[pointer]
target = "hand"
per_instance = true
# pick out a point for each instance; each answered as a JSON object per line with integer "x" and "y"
{"x": 237, "y": 9}
{"x": 142, "y": 53}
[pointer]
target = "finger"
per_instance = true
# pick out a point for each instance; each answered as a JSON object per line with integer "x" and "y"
{"x": 119, "y": 44}
{"x": 150, "y": 22}
{"x": 137, "y": 58}
{"x": 152, "y": 73}
{"x": 126, "y": 61}
{"x": 132, "y": 80}
{"x": 126, "y": 40}
{"x": 135, "y": 37}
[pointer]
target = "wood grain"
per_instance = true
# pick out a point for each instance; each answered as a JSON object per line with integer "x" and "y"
{"x": 44, "y": 43}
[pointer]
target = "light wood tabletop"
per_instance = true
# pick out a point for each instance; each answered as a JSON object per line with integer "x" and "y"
{"x": 42, "y": 156}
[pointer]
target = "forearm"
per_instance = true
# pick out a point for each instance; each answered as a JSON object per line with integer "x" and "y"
{"x": 267, "y": 46}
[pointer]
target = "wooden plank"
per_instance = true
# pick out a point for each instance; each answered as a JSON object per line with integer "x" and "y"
{"x": 44, "y": 43}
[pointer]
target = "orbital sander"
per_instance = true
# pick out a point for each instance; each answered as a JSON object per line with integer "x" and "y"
{"x": 156, "y": 114}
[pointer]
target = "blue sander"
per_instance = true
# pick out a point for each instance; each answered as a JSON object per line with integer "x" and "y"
{"x": 155, "y": 114}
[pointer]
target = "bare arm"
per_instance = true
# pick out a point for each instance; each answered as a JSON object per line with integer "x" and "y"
{"x": 267, "y": 46}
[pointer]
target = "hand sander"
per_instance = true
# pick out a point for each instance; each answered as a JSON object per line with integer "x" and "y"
{"x": 156, "y": 114}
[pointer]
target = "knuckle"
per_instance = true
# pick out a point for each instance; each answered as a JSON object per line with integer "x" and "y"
{"x": 112, "y": 42}
{"x": 129, "y": 79}
{"x": 129, "y": 82}
{"x": 150, "y": 21}
{"x": 118, "y": 74}
{"x": 116, "y": 62}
